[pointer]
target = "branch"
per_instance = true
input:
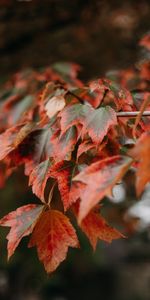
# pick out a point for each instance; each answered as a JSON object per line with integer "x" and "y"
{"x": 132, "y": 114}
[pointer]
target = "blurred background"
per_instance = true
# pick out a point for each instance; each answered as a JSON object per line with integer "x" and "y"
{"x": 100, "y": 36}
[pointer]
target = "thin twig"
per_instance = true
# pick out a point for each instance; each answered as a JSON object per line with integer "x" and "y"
{"x": 132, "y": 114}
{"x": 76, "y": 96}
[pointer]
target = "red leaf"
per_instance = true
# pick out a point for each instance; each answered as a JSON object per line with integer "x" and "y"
{"x": 63, "y": 172}
{"x": 96, "y": 122}
{"x": 15, "y": 107}
{"x": 95, "y": 227}
{"x": 74, "y": 114}
{"x": 145, "y": 41}
{"x": 37, "y": 146}
{"x": 64, "y": 144}
{"x": 99, "y": 122}
{"x": 38, "y": 178}
{"x": 11, "y": 138}
{"x": 52, "y": 236}
{"x": 68, "y": 72}
{"x": 22, "y": 222}
{"x": 141, "y": 153}
{"x": 99, "y": 178}
{"x": 84, "y": 147}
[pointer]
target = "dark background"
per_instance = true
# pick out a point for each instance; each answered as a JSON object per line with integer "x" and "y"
{"x": 100, "y": 36}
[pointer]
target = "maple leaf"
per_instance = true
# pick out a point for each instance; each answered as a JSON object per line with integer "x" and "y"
{"x": 74, "y": 114}
{"x": 96, "y": 122}
{"x": 15, "y": 107}
{"x": 38, "y": 178}
{"x": 141, "y": 153}
{"x": 95, "y": 227}
{"x": 11, "y": 138}
{"x": 144, "y": 103}
{"x": 37, "y": 146}
{"x": 20, "y": 109}
{"x": 54, "y": 105}
{"x": 99, "y": 178}
{"x": 63, "y": 144}
{"x": 63, "y": 172}
{"x": 52, "y": 236}
{"x": 22, "y": 222}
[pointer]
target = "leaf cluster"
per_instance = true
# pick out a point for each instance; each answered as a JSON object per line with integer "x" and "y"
{"x": 72, "y": 143}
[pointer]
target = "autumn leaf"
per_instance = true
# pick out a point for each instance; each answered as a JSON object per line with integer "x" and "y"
{"x": 142, "y": 102}
{"x": 64, "y": 172}
{"x": 38, "y": 178}
{"x": 145, "y": 41}
{"x": 74, "y": 114}
{"x": 141, "y": 153}
{"x": 15, "y": 107}
{"x": 99, "y": 178}
{"x": 37, "y": 146}
{"x": 52, "y": 236}
{"x": 11, "y": 138}
{"x": 96, "y": 122}
{"x": 87, "y": 94}
{"x": 71, "y": 135}
{"x": 84, "y": 147}
{"x": 22, "y": 222}
{"x": 54, "y": 105}
{"x": 63, "y": 144}
{"x": 68, "y": 72}
{"x": 21, "y": 108}
{"x": 95, "y": 227}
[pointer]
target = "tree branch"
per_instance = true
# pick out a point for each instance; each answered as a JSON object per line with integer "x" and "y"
{"x": 132, "y": 114}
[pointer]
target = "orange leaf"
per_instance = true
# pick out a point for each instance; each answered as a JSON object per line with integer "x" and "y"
{"x": 52, "y": 235}
{"x": 38, "y": 178}
{"x": 95, "y": 227}
{"x": 22, "y": 222}
{"x": 63, "y": 144}
{"x": 141, "y": 153}
{"x": 96, "y": 122}
{"x": 84, "y": 147}
{"x": 144, "y": 104}
{"x": 145, "y": 41}
{"x": 11, "y": 138}
{"x": 99, "y": 178}
{"x": 70, "y": 191}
